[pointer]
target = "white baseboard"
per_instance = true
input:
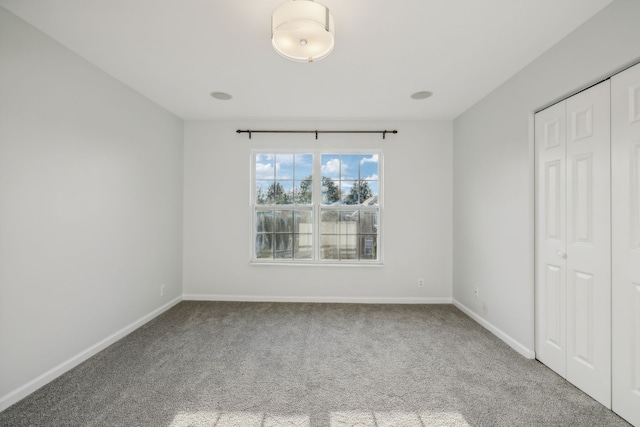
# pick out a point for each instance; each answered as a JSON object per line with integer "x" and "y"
{"x": 511, "y": 342}
{"x": 318, "y": 299}
{"x": 28, "y": 388}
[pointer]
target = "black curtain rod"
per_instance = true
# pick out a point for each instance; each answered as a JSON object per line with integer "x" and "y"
{"x": 383, "y": 132}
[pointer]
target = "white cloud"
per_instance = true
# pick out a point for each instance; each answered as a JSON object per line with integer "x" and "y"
{"x": 372, "y": 159}
{"x": 373, "y": 177}
{"x": 332, "y": 167}
{"x": 264, "y": 170}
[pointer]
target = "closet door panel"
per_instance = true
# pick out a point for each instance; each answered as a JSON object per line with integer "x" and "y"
{"x": 589, "y": 242}
{"x": 550, "y": 140}
{"x": 625, "y": 131}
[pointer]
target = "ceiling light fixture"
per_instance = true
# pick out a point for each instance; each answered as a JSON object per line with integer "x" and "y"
{"x": 302, "y": 30}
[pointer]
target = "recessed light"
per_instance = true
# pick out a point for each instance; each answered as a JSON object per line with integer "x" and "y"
{"x": 421, "y": 95}
{"x": 221, "y": 96}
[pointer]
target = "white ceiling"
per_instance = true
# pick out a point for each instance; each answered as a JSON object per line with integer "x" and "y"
{"x": 176, "y": 52}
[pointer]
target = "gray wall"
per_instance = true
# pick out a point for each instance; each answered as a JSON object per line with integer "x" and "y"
{"x": 493, "y": 170}
{"x": 90, "y": 207}
{"x": 416, "y": 219}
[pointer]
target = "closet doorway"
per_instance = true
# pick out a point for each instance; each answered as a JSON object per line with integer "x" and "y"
{"x": 587, "y": 266}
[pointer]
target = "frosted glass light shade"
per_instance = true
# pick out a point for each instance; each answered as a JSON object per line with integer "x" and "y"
{"x": 302, "y": 30}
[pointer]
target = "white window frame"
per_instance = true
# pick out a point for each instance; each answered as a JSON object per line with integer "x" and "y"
{"x": 316, "y": 208}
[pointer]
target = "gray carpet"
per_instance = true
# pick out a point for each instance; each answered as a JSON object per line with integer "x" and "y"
{"x": 285, "y": 364}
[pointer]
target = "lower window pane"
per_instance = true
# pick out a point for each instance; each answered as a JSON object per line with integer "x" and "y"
{"x": 369, "y": 247}
{"x": 264, "y": 221}
{"x": 349, "y": 246}
{"x": 283, "y": 221}
{"x": 284, "y": 245}
{"x": 349, "y": 222}
{"x": 349, "y": 234}
{"x": 303, "y": 221}
{"x": 329, "y": 249}
{"x": 344, "y": 228}
{"x": 329, "y": 222}
{"x": 284, "y": 234}
{"x": 368, "y": 222}
{"x": 303, "y": 246}
{"x": 264, "y": 246}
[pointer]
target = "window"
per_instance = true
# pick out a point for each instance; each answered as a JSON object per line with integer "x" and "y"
{"x": 316, "y": 207}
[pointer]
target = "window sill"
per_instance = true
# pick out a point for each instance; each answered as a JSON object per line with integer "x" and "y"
{"x": 316, "y": 264}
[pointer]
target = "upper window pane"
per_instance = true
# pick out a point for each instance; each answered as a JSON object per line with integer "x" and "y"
{"x": 369, "y": 167}
{"x": 265, "y": 168}
{"x": 303, "y": 192}
{"x": 330, "y": 166}
{"x": 350, "y": 179}
{"x": 303, "y": 166}
{"x": 330, "y": 191}
{"x": 360, "y": 192}
{"x": 349, "y": 167}
{"x": 284, "y": 166}
{"x": 283, "y": 179}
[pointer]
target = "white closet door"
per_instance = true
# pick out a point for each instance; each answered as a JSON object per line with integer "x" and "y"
{"x": 625, "y": 113}
{"x": 573, "y": 240}
{"x": 550, "y": 137}
{"x": 589, "y": 242}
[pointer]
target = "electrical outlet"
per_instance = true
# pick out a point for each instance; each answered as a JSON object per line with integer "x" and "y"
{"x": 476, "y": 292}
{"x": 162, "y": 289}
{"x": 420, "y": 283}
{"x": 485, "y": 308}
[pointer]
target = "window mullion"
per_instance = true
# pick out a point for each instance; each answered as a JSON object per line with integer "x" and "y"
{"x": 316, "y": 202}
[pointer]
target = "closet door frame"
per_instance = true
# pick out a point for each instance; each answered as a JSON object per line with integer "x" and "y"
{"x": 625, "y": 127}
